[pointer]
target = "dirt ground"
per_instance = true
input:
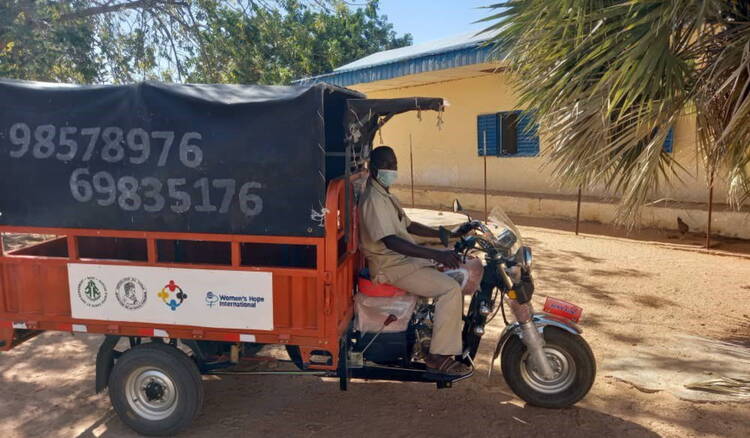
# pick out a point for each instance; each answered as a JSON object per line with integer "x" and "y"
{"x": 630, "y": 290}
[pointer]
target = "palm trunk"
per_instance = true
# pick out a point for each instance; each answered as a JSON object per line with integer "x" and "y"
{"x": 578, "y": 210}
{"x": 710, "y": 209}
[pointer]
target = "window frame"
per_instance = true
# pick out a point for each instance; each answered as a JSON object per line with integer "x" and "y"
{"x": 494, "y": 147}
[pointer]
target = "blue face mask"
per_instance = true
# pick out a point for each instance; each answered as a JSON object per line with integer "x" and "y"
{"x": 387, "y": 177}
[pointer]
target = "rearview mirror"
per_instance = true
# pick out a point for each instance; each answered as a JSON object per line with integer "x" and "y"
{"x": 526, "y": 257}
{"x": 457, "y": 206}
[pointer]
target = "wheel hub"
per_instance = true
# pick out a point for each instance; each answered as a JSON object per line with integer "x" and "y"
{"x": 154, "y": 390}
{"x": 563, "y": 368}
{"x": 151, "y": 393}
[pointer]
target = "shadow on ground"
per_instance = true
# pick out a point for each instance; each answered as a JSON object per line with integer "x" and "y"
{"x": 275, "y": 407}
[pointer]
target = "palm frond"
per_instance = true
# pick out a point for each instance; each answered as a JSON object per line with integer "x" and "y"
{"x": 608, "y": 78}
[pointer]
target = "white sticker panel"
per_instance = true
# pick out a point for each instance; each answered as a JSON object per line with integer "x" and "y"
{"x": 199, "y": 297}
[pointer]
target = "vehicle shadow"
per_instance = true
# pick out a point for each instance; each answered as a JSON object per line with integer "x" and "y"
{"x": 48, "y": 390}
{"x": 275, "y": 406}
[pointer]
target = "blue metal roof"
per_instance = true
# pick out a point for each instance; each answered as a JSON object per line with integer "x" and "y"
{"x": 457, "y": 51}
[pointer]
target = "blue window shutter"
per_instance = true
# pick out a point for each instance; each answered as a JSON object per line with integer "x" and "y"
{"x": 669, "y": 141}
{"x": 528, "y": 137}
{"x": 487, "y": 125}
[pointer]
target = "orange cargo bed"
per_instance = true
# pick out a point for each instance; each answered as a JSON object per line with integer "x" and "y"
{"x": 312, "y": 280}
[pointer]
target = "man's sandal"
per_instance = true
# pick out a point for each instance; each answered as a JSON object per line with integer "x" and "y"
{"x": 450, "y": 367}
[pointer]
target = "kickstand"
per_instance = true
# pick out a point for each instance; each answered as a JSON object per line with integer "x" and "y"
{"x": 473, "y": 367}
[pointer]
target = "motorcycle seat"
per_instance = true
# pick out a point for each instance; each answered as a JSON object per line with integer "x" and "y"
{"x": 367, "y": 287}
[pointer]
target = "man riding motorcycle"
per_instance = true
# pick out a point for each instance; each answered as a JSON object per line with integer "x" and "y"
{"x": 394, "y": 258}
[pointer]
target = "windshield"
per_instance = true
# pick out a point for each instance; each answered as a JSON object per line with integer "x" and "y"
{"x": 504, "y": 231}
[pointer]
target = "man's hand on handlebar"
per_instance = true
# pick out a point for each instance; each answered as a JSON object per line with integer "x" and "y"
{"x": 464, "y": 228}
{"x": 445, "y": 257}
{"x": 448, "y": 258}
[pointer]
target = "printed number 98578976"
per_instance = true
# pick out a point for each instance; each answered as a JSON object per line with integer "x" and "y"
{"x": 46, "y": 141}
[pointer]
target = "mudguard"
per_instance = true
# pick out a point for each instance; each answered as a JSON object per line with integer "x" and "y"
{"x": 541, "y": 320}
{"x": 105, "y": 361}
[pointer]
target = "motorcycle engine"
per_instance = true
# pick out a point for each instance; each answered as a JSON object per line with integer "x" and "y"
{"x": 401, "y": 348}
{"x": 422, "y": 323}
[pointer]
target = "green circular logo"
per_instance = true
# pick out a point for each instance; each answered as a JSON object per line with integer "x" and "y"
{"x": 92, "y": 292}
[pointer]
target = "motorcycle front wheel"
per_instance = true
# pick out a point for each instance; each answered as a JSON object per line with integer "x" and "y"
{"x": 571, "y": 359}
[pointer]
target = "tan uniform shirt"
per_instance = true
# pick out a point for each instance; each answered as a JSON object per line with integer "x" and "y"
{"x": 381, "y": 216}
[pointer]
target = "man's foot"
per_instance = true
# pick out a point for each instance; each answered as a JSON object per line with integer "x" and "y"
{"x": 446, "y": 366}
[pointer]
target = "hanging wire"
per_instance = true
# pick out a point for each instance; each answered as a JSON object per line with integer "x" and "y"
{"x": 440, "y": 120}
{"x": 500, "y": 306}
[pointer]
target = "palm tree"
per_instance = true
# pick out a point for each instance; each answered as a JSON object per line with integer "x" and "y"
{"x": 608, "y": 78}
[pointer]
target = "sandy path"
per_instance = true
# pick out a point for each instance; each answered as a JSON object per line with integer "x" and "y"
{"x": 629, "y": 290}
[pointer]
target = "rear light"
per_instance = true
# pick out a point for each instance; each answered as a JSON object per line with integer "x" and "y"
{"x": 563, "y": 309}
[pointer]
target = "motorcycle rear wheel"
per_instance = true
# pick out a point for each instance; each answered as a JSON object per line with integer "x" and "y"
{"x": 571, "y": 359}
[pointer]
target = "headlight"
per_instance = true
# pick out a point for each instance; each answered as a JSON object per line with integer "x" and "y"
{"x": 506, "y": 240}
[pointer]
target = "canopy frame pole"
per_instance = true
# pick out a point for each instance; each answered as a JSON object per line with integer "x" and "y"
{"x": 411, "y": 166}
{"x": 484, "y": 140}
{"x": 347, "y": 187}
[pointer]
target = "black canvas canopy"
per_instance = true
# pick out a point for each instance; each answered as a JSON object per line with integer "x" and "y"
{"x": 230, "y": 159}
{"x": 166, "y": 157}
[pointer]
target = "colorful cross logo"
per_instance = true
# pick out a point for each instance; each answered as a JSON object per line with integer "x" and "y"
{"x": 170, "y": 298}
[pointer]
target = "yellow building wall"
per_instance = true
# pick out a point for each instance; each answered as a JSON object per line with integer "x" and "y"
{"x": 448, "y": 158}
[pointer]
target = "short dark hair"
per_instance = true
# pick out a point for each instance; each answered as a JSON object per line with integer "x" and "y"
{"x": 380, "y": 155}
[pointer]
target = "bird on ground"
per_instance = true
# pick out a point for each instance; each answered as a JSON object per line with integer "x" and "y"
{"x": 682, "y": 226}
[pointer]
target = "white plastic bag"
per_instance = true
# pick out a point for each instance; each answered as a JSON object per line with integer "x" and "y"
{"x": 461, "y": 275}
{"x": 371, "y": 312}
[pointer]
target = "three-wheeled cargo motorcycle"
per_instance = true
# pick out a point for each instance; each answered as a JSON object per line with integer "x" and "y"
{"x": 193, "y": 224}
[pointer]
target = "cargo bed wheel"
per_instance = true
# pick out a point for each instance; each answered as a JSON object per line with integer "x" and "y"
{"x": 156, "y": 389}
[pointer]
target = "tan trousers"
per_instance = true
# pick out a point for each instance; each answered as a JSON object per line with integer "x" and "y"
{"x": 449, "y": 307}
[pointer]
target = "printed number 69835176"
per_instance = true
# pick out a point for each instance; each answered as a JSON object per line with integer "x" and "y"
{"x": 131, "y": 194}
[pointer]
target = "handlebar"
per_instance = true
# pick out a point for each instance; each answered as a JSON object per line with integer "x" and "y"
{"x": 445, "y": 234}
{"x": 465, "y": 243}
